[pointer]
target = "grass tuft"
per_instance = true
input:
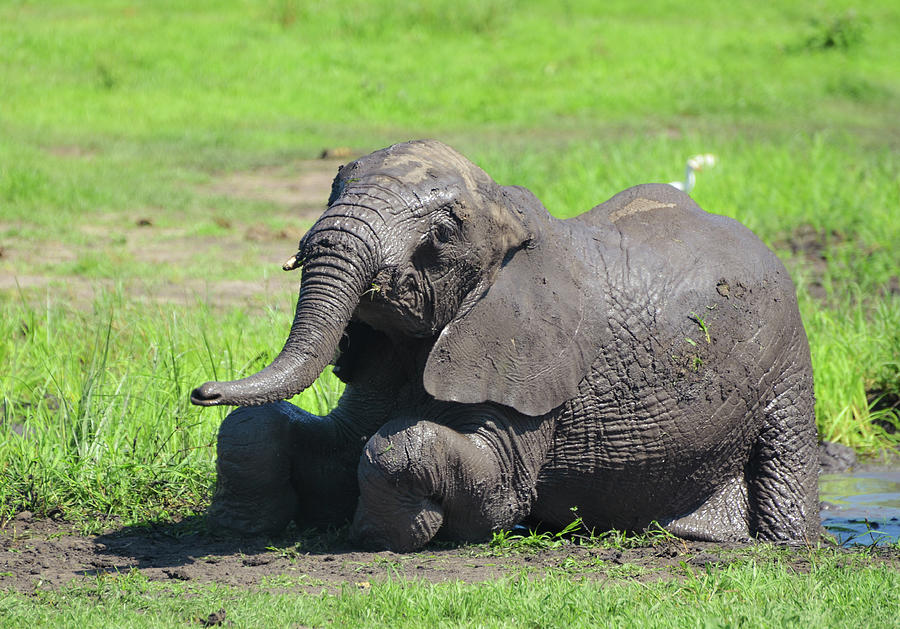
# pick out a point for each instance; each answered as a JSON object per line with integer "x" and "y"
{"x": 855, "y": 351}
{"x": 576, "y": 532}
{"x": 844, "y": 31}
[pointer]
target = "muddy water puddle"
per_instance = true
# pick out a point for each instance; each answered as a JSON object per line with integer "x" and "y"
{"x": 862, "y": 507}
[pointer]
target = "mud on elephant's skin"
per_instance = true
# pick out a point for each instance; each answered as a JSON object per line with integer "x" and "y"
{"x": 644, "y": 361}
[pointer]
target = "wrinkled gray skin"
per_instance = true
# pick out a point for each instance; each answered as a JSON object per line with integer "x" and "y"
{"x": 643, "y": 361}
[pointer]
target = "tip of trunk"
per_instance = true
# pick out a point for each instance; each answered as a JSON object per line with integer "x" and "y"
{"x": 254, "y": 390}
{"x": 328, "y": 295}
{"x": 207, "y": 394}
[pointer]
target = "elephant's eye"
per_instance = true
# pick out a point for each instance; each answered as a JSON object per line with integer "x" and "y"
{"x": 443, "y": 232}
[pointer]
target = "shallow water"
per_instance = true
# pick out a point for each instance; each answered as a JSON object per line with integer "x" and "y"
{"x": 862, "y": 507}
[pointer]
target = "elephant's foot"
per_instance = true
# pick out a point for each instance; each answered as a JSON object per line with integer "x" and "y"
{"x": 722, "y": 518}
{"x": 253, "y": 490}
{"x": 418, "y": 479}
{"x": 414, "y": 523}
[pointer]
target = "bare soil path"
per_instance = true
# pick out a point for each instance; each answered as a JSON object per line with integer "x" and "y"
{"x": 50, "y": 554}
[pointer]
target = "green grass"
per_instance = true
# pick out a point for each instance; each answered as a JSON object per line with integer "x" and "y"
{"x": 744, "y": 593}
{"x": 96, "y": 410}
{"x": 255, "y": 75}
{"x": 849, "y": 342}
{"x": 112, "y": 113}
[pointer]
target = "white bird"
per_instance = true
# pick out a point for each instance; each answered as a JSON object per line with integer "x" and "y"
{"x": 694, "y": 164}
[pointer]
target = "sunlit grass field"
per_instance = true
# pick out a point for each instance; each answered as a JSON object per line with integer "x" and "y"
{"x": 117, "y": 114}
{"x": 740, "y": 595}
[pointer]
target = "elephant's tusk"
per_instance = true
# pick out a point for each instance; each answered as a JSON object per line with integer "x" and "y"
{"x": 292, "y": 263}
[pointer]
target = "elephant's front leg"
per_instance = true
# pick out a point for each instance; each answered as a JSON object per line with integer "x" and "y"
{"x": 278, "y": 463}
{"x": 470, "y": 472}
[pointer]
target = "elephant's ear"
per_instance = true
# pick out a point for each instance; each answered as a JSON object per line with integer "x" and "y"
{"x": 529, "y": 340}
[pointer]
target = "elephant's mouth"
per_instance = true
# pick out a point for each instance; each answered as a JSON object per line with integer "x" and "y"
{"x": 398, "y": 302}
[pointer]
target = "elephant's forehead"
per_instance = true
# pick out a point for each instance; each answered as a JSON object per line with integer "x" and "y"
{"x": 424, "y": 160}
{"x": 411, "y": 169}
{"x": 422, "y": 170}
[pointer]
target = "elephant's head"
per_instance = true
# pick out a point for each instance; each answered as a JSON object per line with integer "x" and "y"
{"x": 414, "y": 241}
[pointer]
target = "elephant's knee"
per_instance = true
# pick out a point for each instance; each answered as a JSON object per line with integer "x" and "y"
{"x": 256, "y": 441}
{"x": 253, "y": 490}
{"x": 401, "y": 452}
{"x": 398, "y": 506}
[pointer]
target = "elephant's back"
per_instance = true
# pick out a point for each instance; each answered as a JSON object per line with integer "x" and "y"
{"x": 668, "y": 221}
{"x": 661, "y": 250}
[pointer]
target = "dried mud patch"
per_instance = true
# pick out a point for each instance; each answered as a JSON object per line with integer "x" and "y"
{"x": 302, "y": 186}
{"x": 142, "y": 243}
{"x": 50, "y": 554}
{"x": 815, "y": 252}
{"x": 157, "y": 265}
{"x": 80, "y": 292}
{"x": 72, "y": 151}
{"x": 809, "y": 248}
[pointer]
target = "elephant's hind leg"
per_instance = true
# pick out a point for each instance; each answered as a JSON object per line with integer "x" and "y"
{"x": 783, "y": 473}
{"x": 419, "y": 477}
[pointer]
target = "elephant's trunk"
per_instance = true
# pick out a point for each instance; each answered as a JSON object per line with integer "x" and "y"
{"x": 339, "y": 267}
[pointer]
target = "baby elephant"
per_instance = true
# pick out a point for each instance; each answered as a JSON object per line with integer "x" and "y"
{"x": 644, "y": 361}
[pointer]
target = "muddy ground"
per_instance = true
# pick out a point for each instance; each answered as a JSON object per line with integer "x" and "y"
{"x": 42, "y": 554}
{"x": 49, "y": 553}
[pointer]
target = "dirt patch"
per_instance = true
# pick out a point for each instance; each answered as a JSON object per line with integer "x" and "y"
{"x": 48, "y": 554}
{"x": 881, "y": 400}
{"x": 138, "y": 237}
{"x": 302, "y": 186}
{"x": 885, "y": 405}
{"x": 809, "y": 247}
{"x": 71, "y": 151}
{"x": 811, "y": 242}
{"x": 253, "y": 296}
{"x": 815, "y": 251}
